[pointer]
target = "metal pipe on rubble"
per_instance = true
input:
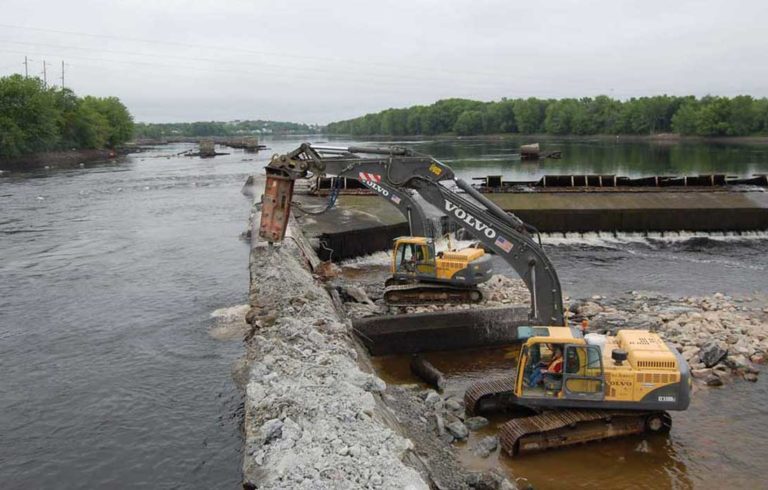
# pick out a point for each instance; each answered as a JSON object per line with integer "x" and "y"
{"x": 427, "y": 372}
{"x": 490, "y": 205}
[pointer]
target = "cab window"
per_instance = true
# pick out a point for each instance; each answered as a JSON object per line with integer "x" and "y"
{"x": 405, "y": 255}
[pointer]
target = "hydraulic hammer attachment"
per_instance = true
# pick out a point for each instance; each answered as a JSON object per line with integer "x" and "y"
{"x": 275, "y": 207}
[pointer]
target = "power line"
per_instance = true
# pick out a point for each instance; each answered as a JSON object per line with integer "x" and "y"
{"x": 279, "y": 71}
{"x": 483, "y": 82}
{"x": 155, "y": 42}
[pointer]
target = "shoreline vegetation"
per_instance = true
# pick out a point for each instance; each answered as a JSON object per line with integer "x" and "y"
{"x": 657, "y": 138}
{"x": 37, "y": 120}
{"x": 710, "y": 116}
{"x": 238, "y": 128}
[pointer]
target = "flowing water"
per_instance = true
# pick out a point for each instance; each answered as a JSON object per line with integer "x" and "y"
{"x": 115, "y": 371}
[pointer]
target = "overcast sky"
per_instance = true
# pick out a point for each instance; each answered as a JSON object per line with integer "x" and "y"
{"x": 318, "y": 61}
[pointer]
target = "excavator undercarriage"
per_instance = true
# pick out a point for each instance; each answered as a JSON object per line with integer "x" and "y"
{"x": 403, "y": 293}
{"x": 537, "y": 430}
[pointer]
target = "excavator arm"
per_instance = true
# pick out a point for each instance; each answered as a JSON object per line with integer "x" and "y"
{"x": 399, "y": 173}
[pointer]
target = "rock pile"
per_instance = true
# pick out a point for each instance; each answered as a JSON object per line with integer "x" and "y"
{"x": 313, "y": 419}
{"x": 718, "y": 335}
{"x": 435, "y": 423}
{"x": 498, "y": 292}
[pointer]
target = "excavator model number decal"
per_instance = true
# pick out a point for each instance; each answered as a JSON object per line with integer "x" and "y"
{"x": 464, "y": 216}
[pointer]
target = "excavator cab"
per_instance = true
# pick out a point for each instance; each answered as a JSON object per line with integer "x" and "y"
{"x": 581, "y": 374}
{"x": 421, "y": 276}
{"x": 536, "y": 356}
{"x": 413, "y": 258}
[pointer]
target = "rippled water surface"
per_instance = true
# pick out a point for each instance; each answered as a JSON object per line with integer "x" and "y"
{"x": 109, "y": 274}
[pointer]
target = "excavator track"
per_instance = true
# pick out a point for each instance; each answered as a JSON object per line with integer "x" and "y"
{"x": 425, "y": 294}
{"x": 561, "y": 428}
{"x": 556, "y": 428}
{"x": 491, "y": 392}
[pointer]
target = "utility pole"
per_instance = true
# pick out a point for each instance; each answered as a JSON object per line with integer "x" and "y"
{"x": 26, "y": 67}
{"x": 62, "y": 74}
{"x": 45, "y": 75}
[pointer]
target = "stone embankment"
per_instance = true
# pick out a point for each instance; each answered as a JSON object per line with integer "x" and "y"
{"x": 721, "y": 337}
{"x": 315, "y": 414}
{"x": 313, "y": 418}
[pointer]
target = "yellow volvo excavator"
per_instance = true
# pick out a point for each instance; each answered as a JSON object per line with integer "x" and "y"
{"x": 419, "y": 275}
{"x": 604, "y": 386}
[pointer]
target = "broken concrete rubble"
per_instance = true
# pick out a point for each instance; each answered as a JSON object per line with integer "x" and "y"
{"x": 313, "y": 418}
{"x": 425, "y": 418}
{"x": 719, "y": 339}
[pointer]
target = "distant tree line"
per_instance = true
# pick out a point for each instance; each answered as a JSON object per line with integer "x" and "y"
{"x": 707, "y": 116}
{"x": 35, "y": 118}
{"x": 218, "y": 128}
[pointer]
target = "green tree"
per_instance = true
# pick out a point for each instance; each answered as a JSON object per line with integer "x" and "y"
{"x": 120, "y": 121}
{"x": 12, "y": 139}
{"x": 606, "y": 113}
{"x": 91, "y": 128}
{"x": 743, "y": 118}
{"x": 686, "y": 118}
{"x": 563, "y": 116}
{"x": 761, "y": 115}
{"x": 33, "y": 110}
{"x": 413, "y": 120}
{"x": 529, "y": 115}
{"x": 713, "y": 117}
{"x": 500, "y": 117}
{"x": 469, "y": 123}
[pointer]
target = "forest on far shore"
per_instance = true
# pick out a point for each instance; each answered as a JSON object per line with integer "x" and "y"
{"x": 35, "y": 118}
{"x": 741, "y": 115}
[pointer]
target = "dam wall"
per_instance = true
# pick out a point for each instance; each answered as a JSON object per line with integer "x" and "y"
{"x": 361, "y": 224}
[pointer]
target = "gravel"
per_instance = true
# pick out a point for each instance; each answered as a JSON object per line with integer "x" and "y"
{"x": 721, "y": 337}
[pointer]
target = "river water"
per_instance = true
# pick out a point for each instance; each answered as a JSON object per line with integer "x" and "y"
{"x": 110, "y": 275}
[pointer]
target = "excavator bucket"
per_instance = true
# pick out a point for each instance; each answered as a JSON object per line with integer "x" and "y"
{"x": 275, "y": 207}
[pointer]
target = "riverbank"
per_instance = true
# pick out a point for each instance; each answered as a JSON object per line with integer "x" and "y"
{"x": 70, "y": 158}
{"x": 659, "y": 138}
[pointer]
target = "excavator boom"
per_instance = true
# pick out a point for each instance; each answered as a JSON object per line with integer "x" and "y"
{"x": 398, "y": 174}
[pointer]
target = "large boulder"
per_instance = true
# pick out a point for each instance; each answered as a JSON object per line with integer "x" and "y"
{"x": 486, "y": 446}
{"x": 475, "y": 423}
{"x": 589, "y": 309}
{"x": 457, "y": 429}
{"x": 712, "y": 352}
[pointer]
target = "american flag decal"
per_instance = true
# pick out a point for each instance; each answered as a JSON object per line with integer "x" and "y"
{"x": 503, "y": 244}
{"x": 369, "y": 177}
{"x": 395, "y": 199}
